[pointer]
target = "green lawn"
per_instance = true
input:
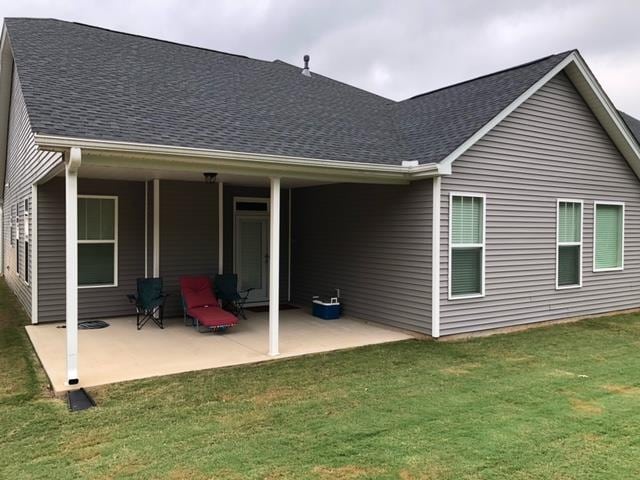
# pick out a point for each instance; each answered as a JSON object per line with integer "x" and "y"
{"x": 551, "y": 403}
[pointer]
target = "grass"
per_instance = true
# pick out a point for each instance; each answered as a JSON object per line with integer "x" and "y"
{"x": 553, "y": 403}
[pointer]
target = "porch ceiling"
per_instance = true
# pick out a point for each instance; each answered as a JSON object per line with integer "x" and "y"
{"x": 120, "y": 352}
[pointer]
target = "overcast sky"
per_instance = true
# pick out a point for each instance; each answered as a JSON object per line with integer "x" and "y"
{"x": 394, "y": 48}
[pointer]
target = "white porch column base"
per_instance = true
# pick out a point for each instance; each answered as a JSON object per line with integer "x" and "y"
{"x": 71, "y": 230}
{"x": 274, "y": 268}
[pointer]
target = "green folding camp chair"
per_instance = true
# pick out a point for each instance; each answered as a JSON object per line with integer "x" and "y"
{"x": 232, "y": 299}
{"x": 149, "y": 301}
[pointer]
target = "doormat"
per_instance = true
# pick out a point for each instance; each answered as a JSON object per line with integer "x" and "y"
{"x": 80, "y": 400}
{"x": 265, "y": 308}
{"x": 89, "y": 325}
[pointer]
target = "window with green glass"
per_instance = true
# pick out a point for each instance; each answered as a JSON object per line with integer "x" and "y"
{"x": 608, "y": 236}
{"x": 97, "y": 242}
{"x": 467, "y": 246}
{"x": 569, "y": 244}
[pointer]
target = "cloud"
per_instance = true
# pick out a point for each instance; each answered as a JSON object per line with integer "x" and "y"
{"x": 394, "y": 48}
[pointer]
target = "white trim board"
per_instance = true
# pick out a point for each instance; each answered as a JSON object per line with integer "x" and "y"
{"x": 435, "y": 258}
{"x": 34, "y": 254}
{"x": 220, "y": 228}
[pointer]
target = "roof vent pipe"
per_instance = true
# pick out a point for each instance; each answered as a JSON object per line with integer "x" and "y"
{"x": 305, "y": 70}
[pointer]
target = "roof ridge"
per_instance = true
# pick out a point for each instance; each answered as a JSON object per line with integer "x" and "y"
{"x": 171, "y": 42}
{"x": 504, "y": 70}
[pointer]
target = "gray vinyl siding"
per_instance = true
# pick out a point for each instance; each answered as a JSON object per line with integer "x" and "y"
{"x": 188, "y": 235}
{"x": 102, "y": 302}
{"x": 232, "y": 191}
{"x": 188, "y": 242}
{"x": 550, "y": 147}
{"x": 25, "y": 166}
{"x": 373, "y": 242}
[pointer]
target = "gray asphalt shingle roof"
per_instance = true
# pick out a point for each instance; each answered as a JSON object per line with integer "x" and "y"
{"x": 88, "y": 82}
{"x": 632, "y": 123}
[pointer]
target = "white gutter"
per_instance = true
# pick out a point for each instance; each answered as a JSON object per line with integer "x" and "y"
{"x": 240, "y": 159}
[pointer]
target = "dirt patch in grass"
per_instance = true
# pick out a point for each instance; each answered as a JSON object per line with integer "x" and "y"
{"x": 622, "y": 389}
{"x": 458, "y": 370}
{"x": 192, "y": 474}
{"x": 276, "y": 395}
{"x": 347, "y": 472}
{"x": 519, "y": 359}
{"x": 585, "y": 407}
{"x": 433, "y": 473}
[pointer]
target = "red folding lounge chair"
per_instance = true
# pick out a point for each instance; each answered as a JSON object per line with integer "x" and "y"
{"x": 201, "y": 305}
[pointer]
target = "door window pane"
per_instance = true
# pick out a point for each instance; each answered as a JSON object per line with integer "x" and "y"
{"x": 251, "y": 261}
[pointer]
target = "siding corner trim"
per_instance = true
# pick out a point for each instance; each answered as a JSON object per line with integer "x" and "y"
{"x": 435, "y": 259}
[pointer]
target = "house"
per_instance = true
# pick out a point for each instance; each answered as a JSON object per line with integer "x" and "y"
{"x": 505, "y": 200}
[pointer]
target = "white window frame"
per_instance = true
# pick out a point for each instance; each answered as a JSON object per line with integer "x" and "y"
{"x": 114, "y": 241}
{"x": 595, "y": 205}
{"x": 569, "y": 244}
{"x": 17, "y": 246}
{"x": 482, "y": 245}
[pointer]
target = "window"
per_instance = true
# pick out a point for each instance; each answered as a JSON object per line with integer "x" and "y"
{"x": 466, "y": 245}
{"x": 17, "y": 229}
{"x": 97, "y": 241}
{"x": 13, "y": 226}
{"x": 569, "y": 244}
{"x": 608, "y": 236}
{"x": 251, "y": 205}
{"x": 26, "y": 240}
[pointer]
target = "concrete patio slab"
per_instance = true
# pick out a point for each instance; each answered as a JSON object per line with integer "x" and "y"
{"x": 120, "y": 352}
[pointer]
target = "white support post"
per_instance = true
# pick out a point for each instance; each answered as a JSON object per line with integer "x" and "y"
{"x": 33, "y": 244}
{"x": 71, "y": 223}
{"x": 220, "y": 228}
{"x": 156, "y": 227}
{"x": 289, "y": 252}
{"x": 435, "y": 259}
{"x": 146, "y": 229}
{"x": 274, "y": 268}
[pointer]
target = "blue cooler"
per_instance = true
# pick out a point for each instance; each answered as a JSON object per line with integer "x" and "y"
{"x": 326, "y": 310}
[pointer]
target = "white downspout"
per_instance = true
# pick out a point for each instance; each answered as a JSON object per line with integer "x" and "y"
{"x": 71, "y": 229}
{"x": 274, "y": 268}
{"x": 435, "y": 259}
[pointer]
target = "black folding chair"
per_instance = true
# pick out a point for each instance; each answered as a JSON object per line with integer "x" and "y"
{"x": 232, "y": 299}
{"x": 149, "y": 301}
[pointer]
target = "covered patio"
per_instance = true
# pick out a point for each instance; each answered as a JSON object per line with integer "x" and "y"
{"x": 120, "y": 352}
{"x": 290, "y": 232}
